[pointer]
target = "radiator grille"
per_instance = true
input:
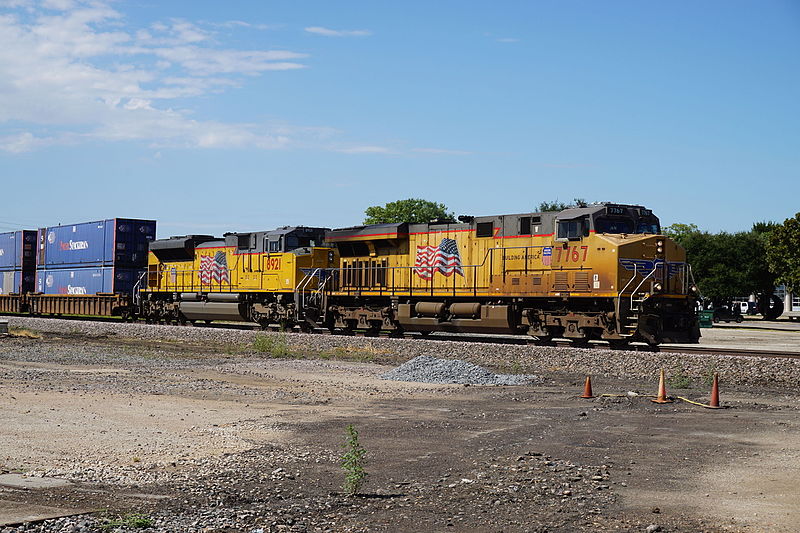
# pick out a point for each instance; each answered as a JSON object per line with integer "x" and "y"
{"x": 561, "y": 282}
{"x": 581, "y": 282}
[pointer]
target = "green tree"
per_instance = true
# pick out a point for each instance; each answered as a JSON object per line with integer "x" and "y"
{"x": 783, "y": 252}
{"x": 413, "y": 210}
{"x": 680, "y": 232}
{"x": 560, "y": 206}
{"x": 727, "y": 265}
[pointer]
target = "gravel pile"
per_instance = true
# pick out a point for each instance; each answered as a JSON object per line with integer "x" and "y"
{"x": 427, "y": 369}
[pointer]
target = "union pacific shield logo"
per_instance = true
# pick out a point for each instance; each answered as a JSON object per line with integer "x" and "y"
{"x": 547, "y": 255}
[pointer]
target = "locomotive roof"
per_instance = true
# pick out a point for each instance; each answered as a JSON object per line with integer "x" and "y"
{"x": 402, "y": 227}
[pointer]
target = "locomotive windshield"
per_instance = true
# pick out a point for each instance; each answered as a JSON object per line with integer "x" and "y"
{"x": 626, "y": 225}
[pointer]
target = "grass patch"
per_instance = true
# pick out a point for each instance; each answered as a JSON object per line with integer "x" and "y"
{"x": 130, "y": 521}
{"x": 515, "y": 368}
{"x": 275, "y": 345}
{"x": 24, "y": 332}
{"x": 680, "y": 380}
{"x": 708, "y": 375}
{"x": 363, "y": 354}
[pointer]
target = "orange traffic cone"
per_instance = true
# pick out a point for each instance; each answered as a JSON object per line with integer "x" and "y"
{"x": 714, "y": 392}
{"x": 662, "y": 391}
{"x": 587, "y": 388}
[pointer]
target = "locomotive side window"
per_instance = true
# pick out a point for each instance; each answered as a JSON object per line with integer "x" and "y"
{"x": 275, "y": 246}
{"x": 572, "y": 229}
{"x": 484, "y": 229}
{"x": 524, "y": 225}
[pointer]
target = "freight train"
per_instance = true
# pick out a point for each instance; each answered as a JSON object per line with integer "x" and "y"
{"x": 601, "y": 272}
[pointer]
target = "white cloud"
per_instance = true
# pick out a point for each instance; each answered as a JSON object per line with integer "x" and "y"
{"x": 327, "y": 32}
{"x": 385, "y": 150}
{"x": 365, "y": 150}
{"x": 507, "y": 40}
{"x": 243, "y": 24}
{"x": 16, "y": 144}
{"x": 440, "y": 151}
{"x": 73, "y": 71}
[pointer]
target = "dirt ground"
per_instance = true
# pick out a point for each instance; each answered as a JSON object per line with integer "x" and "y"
{"x": 440, "y": 457}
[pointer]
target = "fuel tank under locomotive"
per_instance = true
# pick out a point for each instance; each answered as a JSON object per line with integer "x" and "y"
{"x": 217, "y": 306}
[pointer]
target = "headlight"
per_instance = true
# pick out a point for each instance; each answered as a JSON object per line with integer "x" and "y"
{"x": 660, "y": 243}
{"x": 693, "y": 289}
{"x": 657, "y": 287}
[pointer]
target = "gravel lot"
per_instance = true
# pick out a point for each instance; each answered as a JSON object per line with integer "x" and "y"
{"x": 197, "y": 430}
{"x": 749, "y": 371}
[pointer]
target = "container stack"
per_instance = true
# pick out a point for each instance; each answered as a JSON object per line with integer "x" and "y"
{"x": 17, "y": 262}
{"x": 106, "y": 256}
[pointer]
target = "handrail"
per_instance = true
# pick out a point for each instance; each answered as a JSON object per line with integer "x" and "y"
{"x": 633, "y": 276}
{"x": 300, "y": 292}
{"x": 137, "y": 298}
{"x": 645, "y": 278}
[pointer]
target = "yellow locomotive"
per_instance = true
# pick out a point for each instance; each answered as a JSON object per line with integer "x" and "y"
{"x": 603, "y": 271}
{"x": 259, "y": 276}
{"x": 599, "y": 272}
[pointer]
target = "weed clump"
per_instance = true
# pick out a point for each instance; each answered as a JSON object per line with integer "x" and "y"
{"x": 353, "y": 463}
{"x": 130, "y": 521}
{"x": 23, "y": 332}
{"x": 680, "y": 380}
{"x": 274, "y": 345}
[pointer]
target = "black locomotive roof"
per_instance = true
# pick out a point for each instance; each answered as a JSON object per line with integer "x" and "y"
{"x": 386, "y": 231}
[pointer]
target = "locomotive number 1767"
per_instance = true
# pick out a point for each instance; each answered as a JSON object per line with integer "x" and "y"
{"x": 572, "y": 254}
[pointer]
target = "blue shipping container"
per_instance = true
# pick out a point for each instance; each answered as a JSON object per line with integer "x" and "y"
{"x": 87, "y": 280}
{"x": 18, "y": 250}
{"x": 120, "y": 242}
{"x": 17, "y": 281}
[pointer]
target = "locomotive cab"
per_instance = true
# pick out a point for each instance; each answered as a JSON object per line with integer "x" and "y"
{"x": 577, "y": 223}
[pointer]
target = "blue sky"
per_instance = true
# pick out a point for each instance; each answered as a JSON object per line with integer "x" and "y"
{"x": 240, "y": 115}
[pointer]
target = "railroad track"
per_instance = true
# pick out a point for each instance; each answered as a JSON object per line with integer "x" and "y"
{"x": 503, "y": 339}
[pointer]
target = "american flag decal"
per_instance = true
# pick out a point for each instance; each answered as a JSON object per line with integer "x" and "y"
{"x": 443, "y": 258}
{"x": 214, "y": 268}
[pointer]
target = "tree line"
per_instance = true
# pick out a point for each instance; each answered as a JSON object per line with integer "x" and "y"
{"x": 726, "y": 265}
